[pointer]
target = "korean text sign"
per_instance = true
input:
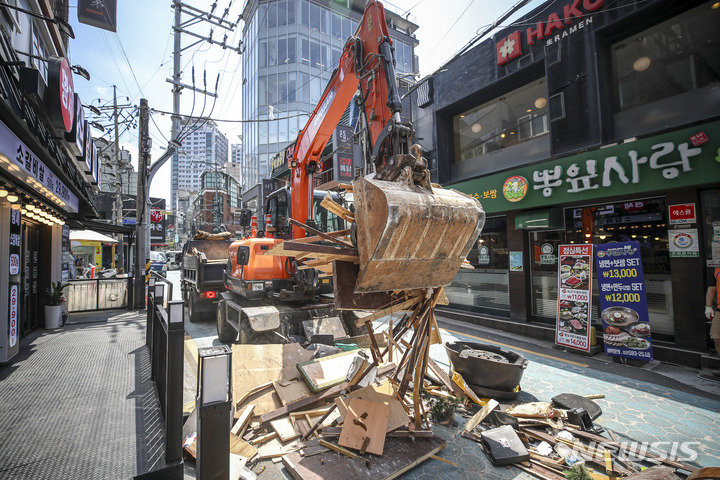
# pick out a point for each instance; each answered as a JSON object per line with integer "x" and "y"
{"x": 623, "y": 301}
{"x": 572, "y": 326}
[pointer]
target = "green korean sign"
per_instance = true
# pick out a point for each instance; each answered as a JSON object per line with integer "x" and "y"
{"x": 682, "y": 158}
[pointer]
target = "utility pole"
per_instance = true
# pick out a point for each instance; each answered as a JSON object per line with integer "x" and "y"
{"x": 195, "y": 16}
{"x": 142, "y": 256}
{"x": 118, "y": 186}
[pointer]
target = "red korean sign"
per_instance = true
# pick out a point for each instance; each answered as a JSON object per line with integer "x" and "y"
{"x": 572, "y": 325}
{"x": 682, "y": 214}
{"x": 156, "y": 215}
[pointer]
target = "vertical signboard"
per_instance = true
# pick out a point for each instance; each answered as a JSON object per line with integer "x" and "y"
{"x": 14, "y": 282}
{"x": 343, "y": 155}
{"x": 572, "y": 325}
{"x": 65, "y": 270}
{"x": 626, "y": 324}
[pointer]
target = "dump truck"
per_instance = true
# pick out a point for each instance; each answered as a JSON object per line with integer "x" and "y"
{"x": 203, "y": 264}
{"x": 406, "y": 233}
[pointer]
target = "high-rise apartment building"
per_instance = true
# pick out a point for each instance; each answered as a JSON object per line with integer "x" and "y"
{"x": 291, "y": 49}
{"x": 204, "y": 147}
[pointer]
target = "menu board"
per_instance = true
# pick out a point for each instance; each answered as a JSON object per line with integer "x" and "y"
{"x": 626, "y": 324}
{"x": 572, "y": 326}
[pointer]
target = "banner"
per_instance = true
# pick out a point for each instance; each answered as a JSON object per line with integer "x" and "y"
{"x": 572, "y": 327}
{"x": 623, "y": 301}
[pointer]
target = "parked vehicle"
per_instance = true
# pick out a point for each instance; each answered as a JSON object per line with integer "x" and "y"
{"x": 158, "y": 263}
{"x": 174, "y": 259}
{"x": 202, "y": 277}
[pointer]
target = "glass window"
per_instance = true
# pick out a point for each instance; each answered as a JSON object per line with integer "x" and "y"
{"x": 272, "y": 15}
{"x": 292, "y": 86}
{"x": 485, "y": 287}
{"x": 336, "y": 26}
{"x": 282, "y": 13}
{"x": 674, "y": 57}
{"x": 291, "y": 50}
{"x": 324, "y": 21}
{"x": 282, "y": 51}
{"x": 305, "y": 87}
{"x": 262, "y": 54}
{"x": 291, "y": 12}
{"x": 315, "y": 17}
{"x": 262, "y": 90}
{"x": 511, "y": 119}
{"x": 262, "y": 15}
{"x": 283, "y": 86}
{"x": 273, "y": 132}
{"x": 315, "y": 59}
{"x": 347, "y": 30}
{"x": 305, "y": 12}
{"x": 283, "y": 130}
{"x": 324, "y": 60}
{"x": 305, "y": 57}
{"x": 336, "y": 53}
{"x": 272, "y": 89}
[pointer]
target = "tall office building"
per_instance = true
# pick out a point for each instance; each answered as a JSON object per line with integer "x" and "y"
{"x": 203, "y": 148}
{"x": 234, "y": 166}
{"x": 291, "y": 49}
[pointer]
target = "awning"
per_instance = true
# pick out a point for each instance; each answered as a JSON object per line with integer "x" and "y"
{"x": 90, "y": 236}
{"x": 547, "y": 218}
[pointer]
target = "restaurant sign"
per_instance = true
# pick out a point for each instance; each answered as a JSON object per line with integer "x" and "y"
{"x": 572, "y": 326}
{"x": 623, "y": 301}
{"x": 655, "y": 164}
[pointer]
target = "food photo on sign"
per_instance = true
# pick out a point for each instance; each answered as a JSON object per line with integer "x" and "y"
{"x": 574, "y": 299}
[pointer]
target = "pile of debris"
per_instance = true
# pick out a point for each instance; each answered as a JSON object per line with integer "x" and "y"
{"x": 367, "y": 410}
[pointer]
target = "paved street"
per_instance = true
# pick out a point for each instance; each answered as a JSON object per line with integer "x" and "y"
{"x": 657, "y": 403}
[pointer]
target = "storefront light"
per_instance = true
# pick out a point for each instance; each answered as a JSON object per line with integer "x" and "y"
{"x": 476, "y": 127}
{"x": 3, "y": 193}
{"x": 30, "y": 207}
{"x": 23, "y": 211}
{"x": 540, "y": 102}
{"x": 16, "y": 206}
{"x": 715, "y": 6}
{"x": 30, "y": 215}
{"x": 641, "y": 64}
{"x": 12, "y": 198}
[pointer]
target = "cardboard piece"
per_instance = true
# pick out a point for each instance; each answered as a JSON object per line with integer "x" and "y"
{"x": 255, "y": 365}
{"x": 365, "y": 420}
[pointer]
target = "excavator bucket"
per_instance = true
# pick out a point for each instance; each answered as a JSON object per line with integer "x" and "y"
{"x": 409, "y": 238}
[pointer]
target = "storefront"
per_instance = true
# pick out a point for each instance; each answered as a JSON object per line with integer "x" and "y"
{"x": 47, "y": 167}
{"x": 572, "y": 126}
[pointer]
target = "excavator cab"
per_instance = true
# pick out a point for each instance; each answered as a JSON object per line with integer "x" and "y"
{"x": 279, "y": 207}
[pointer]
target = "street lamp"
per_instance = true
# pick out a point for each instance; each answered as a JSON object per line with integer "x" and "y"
{"x": 61, "y": 24}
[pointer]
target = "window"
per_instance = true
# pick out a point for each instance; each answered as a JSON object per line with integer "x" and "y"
{"x": 674, "y": 57}
{"x": 511, "y": 119}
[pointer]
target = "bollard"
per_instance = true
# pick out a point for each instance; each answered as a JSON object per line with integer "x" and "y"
{"x": 150, "y": 312}
{"x": 214, "y": 406}
{"x": 174, "y": 363}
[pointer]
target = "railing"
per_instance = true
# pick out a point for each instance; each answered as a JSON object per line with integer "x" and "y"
{"x": 165, "y": 333}
{"x": 97, "y": 294}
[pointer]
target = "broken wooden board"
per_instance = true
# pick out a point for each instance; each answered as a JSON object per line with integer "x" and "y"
{"x": 324, "y": 326}
{"x": 243, "y": 421}
{"x": 364, "y": 426}
{"x": 312, "y": 250}
{"x": 255, "y": 365}
{"x": 275, "y": 448}
{"x": 399, "y": 456}
{"x": 323, "y": 373}
{"x": 291, "y": 390}
{"x": 240, "y": 447}
{"x": 383, "y": 393}
{"x": 285, "y": 429}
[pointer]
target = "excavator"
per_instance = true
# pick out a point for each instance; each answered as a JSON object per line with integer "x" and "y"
{"x": 407, "y": 233}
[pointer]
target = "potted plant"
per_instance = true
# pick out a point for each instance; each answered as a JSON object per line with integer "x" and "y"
{"x": 53, "y": 309}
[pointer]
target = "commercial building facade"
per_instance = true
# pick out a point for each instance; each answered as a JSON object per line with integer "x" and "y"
{"x": 291, "y": 49}
{"x": 586, "y": 121}
{"x": 48, "y": 165}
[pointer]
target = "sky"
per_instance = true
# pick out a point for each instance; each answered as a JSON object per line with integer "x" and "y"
{"x": 137, "y": 59}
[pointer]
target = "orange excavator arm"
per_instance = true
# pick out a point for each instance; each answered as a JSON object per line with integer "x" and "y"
{"x": 367, "y": 63}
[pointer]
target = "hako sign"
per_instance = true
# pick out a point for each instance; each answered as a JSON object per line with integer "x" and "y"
{"x": 552, "y": 29}
{"x": 60, "y": 96}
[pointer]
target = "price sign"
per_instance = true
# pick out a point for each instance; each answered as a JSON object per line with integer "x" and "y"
{"x": 572, "y": 326}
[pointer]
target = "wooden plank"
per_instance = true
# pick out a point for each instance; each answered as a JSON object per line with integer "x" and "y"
{"x": 317, "y": 238}
{"x": 332, "y": 206}
{"x": 399, "y": 456}
{"x": 480, "y": 415}
{"x": 256, "y": 365}
{"x": 320, "y": 234}
{"x": 445, "y": 378}
{"x": 275, "y": 448}
{"x": 336, "y": 448}
{"x": 252, "y": 391}
{"x": 240, "y": 447}
{"x": 285, "y": 429}
{"x": 291, "y": 390}
{"x": 398, "y": 307}
{"x": 323, "y": 373}
{"x": 243, "y": 421}
{"x": 317, "y": 398}
{"x": 383, "y": 393}
{"x": 363, "y": 420}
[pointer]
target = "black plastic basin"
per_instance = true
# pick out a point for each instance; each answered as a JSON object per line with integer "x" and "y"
{"x": 487, "y": 365}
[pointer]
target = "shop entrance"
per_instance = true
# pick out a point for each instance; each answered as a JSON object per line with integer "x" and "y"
{"x": 30, "y": 278}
